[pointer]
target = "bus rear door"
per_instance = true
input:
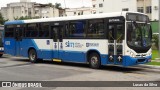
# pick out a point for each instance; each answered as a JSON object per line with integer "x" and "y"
{"x": 57, "y": 36}
{"x": 18, "y": 40}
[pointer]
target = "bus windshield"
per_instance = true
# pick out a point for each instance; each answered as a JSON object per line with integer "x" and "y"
{"x": 139, "y": 34}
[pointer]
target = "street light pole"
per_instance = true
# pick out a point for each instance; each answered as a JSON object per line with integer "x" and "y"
{"x": 65, "y": 3}
{"x": 159, "y": 26}
{"x": 82, "y": 3}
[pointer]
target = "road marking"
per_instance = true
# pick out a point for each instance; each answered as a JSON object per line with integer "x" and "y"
{"x": 137, "y": 74}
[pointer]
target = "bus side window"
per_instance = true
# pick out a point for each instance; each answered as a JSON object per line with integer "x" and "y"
{"x": 95, "y": 28}
{"x": 32, "y": 30}
{"x": 44, "y": 30}
{"x": 77, "y": 29}
{"x": 9, "y": 31}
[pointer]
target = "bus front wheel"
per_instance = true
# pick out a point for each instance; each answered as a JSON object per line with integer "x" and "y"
{"x": 33, "y": 56}
{"x": 94, "y": 61}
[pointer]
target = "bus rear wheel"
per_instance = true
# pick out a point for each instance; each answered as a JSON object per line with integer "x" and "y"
{"x": 1, "y": 55}
{"x": 94, "y": 61}
{"x": 33, "y": 56}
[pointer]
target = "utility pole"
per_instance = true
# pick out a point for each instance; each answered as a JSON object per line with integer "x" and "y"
{"x": 82, "y": 3}
{"x": 65, "y": 3}
{"x": 159, "y": 26}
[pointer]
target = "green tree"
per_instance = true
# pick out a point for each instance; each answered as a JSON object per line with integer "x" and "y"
{"x": 58, "y": 5}
{"x": 155, "y": 40}
{"x": 22, "y": 18}
{"x": 50, "y": 4}
{"x": 2, "y": 20}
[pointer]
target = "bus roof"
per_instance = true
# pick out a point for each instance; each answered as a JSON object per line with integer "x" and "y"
{"x": 81, "y": 17}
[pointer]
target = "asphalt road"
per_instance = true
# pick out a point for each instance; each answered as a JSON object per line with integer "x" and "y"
{"x": 20, "y": 69}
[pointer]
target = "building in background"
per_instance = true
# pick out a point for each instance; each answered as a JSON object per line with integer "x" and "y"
{"x": 78, "y": 11}
{"x": 144, "y": 6}
{"x": 35, "y": 10}
{"x": 106, "y": 6}
{"x": 62, "y": 12}
{"x": 155, "y": 10}
{"x": 25, "y": 8}
{"x": 45, "y": 11}
{"x": 16, "y": 10}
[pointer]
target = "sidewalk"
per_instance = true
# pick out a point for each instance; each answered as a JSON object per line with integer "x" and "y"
{"x": 156, "y": 60}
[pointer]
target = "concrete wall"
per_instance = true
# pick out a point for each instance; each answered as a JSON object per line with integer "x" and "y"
{"x": 155, "y": 9}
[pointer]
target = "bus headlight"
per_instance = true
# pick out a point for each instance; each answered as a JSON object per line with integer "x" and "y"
{"x": 132, "y": 54}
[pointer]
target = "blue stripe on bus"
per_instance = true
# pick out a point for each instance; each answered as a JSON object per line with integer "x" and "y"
{"x": 70, "y": 56}
{"x": 14, "y": 22}
{"x": 34, "y": 44}
{"x": 128, "y": 61}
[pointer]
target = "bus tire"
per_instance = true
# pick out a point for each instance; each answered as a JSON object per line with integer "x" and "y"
{"x": 33, "y": 56}
{"x": 1, "y": 55}
{"x": 94, "y": 61}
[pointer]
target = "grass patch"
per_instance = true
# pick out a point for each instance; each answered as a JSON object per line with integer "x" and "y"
{"x": 154, "y": 63}
{"x": 155, "y": 54}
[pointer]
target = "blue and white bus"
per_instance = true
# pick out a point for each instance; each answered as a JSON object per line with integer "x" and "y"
{"x": 120, "y": 38}
{"x": 1, "y": 40}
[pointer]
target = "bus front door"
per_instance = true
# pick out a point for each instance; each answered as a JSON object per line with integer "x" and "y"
{"x": 56, "y": 33}
{"x": 115, "y": 43}
{"x": 18, "y": 40}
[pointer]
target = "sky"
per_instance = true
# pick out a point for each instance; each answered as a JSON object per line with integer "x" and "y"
{"x": 69, "y": 3}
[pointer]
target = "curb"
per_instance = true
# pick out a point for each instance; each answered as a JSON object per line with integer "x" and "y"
{"x": 149, "y": 66}
{"x": 156, "y": 61}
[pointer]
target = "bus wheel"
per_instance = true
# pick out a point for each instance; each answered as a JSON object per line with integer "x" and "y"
{"x": 94, "y": 61}
{"x": 1, "y": 55}
{"x": 32, "y": 56}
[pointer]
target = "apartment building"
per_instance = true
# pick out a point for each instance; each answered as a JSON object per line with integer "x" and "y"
{"x": 45, "y": 11}
{"x": 155, "y": 10}
{"x": 30, "y": 9}
{"x": 78, "y": 11}
{"x": 145, "y": 6}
